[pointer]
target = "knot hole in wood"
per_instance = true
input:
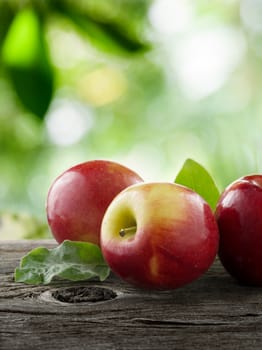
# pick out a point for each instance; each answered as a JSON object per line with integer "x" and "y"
{"x": 83, "y": 294}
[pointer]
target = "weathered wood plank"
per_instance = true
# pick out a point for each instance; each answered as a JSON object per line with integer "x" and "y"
{"x": 213, "y": 312}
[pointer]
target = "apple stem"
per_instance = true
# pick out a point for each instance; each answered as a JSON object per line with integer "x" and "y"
{"x": 127, "y": 230}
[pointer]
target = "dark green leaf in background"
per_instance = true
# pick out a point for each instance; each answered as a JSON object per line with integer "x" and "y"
{"x": 107, "y": 36}
{"x": 104, "y": 31}
{"x": 196, "y": 177}
{"x": 26, "y": 60}
{"x": 74, "y": 261}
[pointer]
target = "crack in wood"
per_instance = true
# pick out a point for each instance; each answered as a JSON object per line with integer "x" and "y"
{"x": 178, "y": 322}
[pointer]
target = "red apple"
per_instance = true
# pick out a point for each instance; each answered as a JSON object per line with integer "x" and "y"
{"x": 78, "y": 198}
{"x": 159, "y": 235}
{"x": 239, "y": 217}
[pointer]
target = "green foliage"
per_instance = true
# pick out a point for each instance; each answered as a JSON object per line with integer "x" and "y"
{"x": 25, "y": 55}
{"x": 74, "y": 261}
{"x": 27, "y": 64}
{"x": 19, "y": 225}
{"x": 107, "y": 32}
{"x": 196, "y": 177}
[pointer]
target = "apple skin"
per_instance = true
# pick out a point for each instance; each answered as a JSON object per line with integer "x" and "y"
{"x": 79, "y": 197}
{"x": 239, "y": 217}
{"x": 174, "y": 241}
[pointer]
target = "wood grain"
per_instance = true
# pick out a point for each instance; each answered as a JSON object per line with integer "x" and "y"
{"x": 213, "y": 312}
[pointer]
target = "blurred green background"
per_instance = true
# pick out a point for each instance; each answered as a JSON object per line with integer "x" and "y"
{"x": 145, "y": 83}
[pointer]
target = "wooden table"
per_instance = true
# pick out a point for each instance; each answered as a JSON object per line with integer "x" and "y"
{"x": 213, "y": 312}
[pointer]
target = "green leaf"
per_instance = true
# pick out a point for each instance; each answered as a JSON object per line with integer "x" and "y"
{"x": 106, "y": 32}
{"x": 74, "y": 261}
{"x": 26, "y": 61}
{"x": 109, "y": 37}
{"x": 34, "y": 88}
{"x": 196, "y": 177}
